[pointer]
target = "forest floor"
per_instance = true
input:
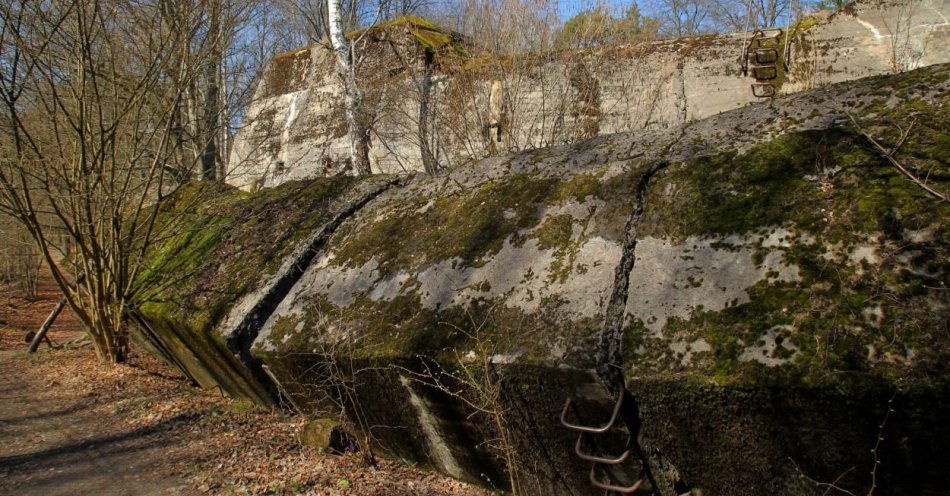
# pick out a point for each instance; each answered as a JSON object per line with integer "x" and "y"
{"x": 71, "y": 425}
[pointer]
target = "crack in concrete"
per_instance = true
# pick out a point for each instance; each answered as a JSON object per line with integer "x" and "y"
{"x": 240, "y": 337}
{"x": 609, "y": 356}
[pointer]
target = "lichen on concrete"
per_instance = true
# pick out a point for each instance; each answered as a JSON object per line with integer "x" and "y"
{"x": 226, "y": 243}
{"x": 783, "y": 269}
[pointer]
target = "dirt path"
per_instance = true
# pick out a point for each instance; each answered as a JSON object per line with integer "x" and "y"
{"x": 72, "y": 425}
{"x": 62, "y": 446}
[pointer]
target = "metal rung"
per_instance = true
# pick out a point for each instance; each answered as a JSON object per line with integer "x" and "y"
{"x": 766, "y": 56}
{"x": 593, "y": 430}
{"x": 765, "y": 72}
{"x": 767, "y": 90}
{"x": 598, "y": 459}
{"x": 608, "y": 487}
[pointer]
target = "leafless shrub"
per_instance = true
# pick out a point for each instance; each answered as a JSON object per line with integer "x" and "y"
{"x": 905, "y": 55}
{"x": 474, "y": 377}
{"x": 20, "y": 261}
{"x": 338, "y": 375}
{"x": 93, "y": 94}
{"x": 327, "y": 386}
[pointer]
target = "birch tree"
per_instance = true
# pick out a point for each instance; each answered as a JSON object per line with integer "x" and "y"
{"x": 358, "y": 132}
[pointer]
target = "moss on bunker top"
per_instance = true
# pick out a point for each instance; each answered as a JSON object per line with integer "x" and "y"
{"x": 288, "y": 72}
{"x": 222, "y": 243}
{"x": 431, "y": 36}
{"x": 831, "y": 183}
{"x": 469, "y": 226}
{"x": 865, "y": 248}
{"x": 871, "y": 249}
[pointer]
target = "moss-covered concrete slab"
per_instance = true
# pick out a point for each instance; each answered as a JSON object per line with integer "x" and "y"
{"x": 773, "y": 274}
{"x": 233, "y": 256}
{"x": 763, "y": 260}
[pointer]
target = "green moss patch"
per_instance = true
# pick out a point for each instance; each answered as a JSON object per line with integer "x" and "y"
{"x": 828, "y": 183}
{"x": 224, "y": 242}
{"x": 220, "y": 244}
{"x": 432, "y": 37}
{"x": 845, "y": 318}
{"x": 470, "y": 226}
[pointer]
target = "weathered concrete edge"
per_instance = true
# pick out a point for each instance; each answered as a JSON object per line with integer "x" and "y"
{"x": 244, "y": 321}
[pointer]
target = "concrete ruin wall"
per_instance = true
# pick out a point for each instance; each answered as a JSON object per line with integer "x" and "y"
{"x": 782, "y": 281}
{"x": 294, "y": 129}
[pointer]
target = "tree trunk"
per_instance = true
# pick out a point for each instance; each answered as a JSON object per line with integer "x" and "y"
{"x": 425, "y": 96}
{"x": 209, "y": 159}
{"x": 38, "y": 337}
{"x": 353, "y": 98}
{"x": 114, "y": 341}
{"x": 224, "y": 145}
{"x": 171, "y": 22}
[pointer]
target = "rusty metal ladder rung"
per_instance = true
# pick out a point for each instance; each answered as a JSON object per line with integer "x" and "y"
{"x": 593, "y": 430}
{"x": 763, "y": 90}
{"x": 766, "y": 56}
{"x": 760, "y": 57}
{"x": 610, "y": 487}
{"x": 599, "y": 460}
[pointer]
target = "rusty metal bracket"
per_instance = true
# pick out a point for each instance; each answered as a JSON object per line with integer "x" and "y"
{"x": 609, "y": 487}
{"x": 763, "y": 90}
{"x": 593, "y": 430}
{"x": 766, "y": 56}
{"x": 598, "y": 459}
{"x": 764, "y": 72}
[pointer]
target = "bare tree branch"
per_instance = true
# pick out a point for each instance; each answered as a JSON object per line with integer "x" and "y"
{"x": 889, "y": 155}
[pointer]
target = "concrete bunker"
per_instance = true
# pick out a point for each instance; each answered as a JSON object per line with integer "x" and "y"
{"x": 397, "y": 288}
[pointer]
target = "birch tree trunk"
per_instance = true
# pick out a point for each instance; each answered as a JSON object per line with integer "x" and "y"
{"x": 353, "y": 98}
{"x": 211, "y": 111}
{"x": 425, "y": 96}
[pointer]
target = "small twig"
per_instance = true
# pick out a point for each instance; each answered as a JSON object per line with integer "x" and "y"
{"x": 877, "y": 444}
{"x": 894, "y": 162}
{"x": 828, "y": 486}
{"x": 220, "y": 390}
{"x": 833, "y": 485}
{"x": 904, "y": 135}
